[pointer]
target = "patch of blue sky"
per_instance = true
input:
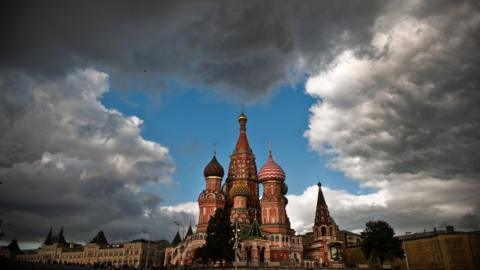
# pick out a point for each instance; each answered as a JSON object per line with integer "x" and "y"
{"x": 190, "y": 122}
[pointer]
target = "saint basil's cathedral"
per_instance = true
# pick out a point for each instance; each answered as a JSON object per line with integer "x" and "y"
{"x": 266, "y": 236}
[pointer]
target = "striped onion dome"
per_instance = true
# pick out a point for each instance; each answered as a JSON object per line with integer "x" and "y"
{"x": 271, "y": 171}
{"x": 240, "y": 190}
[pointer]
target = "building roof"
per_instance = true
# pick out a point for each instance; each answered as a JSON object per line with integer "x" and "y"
{"x": 240, "y": 190}
{"x": 176, "y": 240}
{"x": 254, "y": 231}
{"x": 431, "y": 234}
{"x": 189, "y": 231}
{"x": 99, "y": 239}
{"x": 242, "y": 141}
{"x": 322, "y": 215}
{"x": 271, "y": 170}
{"x": 58, "y": 239}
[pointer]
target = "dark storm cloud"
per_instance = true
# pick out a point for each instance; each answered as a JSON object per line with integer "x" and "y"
{"x": 397, "y": 85}
{"x": 406, "y": 120}
{"x": 242, "y": 47}
{"x": 68, "y": 160}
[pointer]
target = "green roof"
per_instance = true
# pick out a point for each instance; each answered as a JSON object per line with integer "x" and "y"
{"x": 254, "y": 231}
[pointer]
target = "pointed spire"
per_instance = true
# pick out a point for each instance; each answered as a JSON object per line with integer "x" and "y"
{"x": 320, "y": 199}
{"x": 48, "y": 240}
{"x": 13, "y": 246}
{"x": 61, "y": 238}
{"x": 189, "y": 231}
{"x": 176, "y": 240}
{"x": 215, "y": 149}
{"x": 242, "y": 141}
{"x": 322, "y": 215}
{"x": 254, "y": 231}
{"x": 100, "y": 239}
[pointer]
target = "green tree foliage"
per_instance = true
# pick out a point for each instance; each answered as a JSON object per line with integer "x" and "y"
{"x": 219, "y": 246}
{"x": 200, "y": 255}
{"x": 379, "y": 243}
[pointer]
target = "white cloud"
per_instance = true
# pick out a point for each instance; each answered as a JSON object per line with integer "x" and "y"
{"x": 402, "y": 120}
{"x": 408, "y": 206}
{"x": 190, "y": 208}
{"x": 68, "y": 160}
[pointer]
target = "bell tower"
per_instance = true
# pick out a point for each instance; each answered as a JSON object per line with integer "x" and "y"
{"x": 324, "y": 227}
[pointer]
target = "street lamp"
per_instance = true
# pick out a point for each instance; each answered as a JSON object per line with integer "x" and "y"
{"x": 236, "y": 243}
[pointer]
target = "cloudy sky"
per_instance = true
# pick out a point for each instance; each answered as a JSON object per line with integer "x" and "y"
{"x": 109, "y": 110}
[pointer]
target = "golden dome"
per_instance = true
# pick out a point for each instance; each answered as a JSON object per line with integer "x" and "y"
{"x": 240, "y": 190}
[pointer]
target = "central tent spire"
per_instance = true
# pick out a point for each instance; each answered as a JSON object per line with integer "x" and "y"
{"x": 243, "y": 170}
{"x": 242, "y": 142}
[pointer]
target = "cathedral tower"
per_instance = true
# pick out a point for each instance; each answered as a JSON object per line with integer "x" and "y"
{"x": 274, "y": 217}
{"x": 239, "y": 211}
{"x": 324, "y": 227}
{"x": 212, "y": 197}
{"x": 243, "y": 171}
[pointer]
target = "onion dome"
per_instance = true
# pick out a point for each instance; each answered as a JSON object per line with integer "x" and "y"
{"x": 271, "y": 171}
{"x": 240, "y": 190}
{"x": 284, "y": 189}
{"x": 213, "y": 168}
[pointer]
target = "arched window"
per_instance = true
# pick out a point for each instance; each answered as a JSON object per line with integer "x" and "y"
{"x": 324, "y": 231}
{"x": 331, "y": 231}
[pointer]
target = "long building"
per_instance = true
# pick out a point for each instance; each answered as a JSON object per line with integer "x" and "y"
{"x": 267, "y": 237}
{"x": 98, "y": 252}
{"x": 448, "y": 250}
{"x": 438, "y": 249}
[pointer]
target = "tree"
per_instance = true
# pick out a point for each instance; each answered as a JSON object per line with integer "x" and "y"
{"x": 219, "y": 240}
{"x": 379, "y": 243}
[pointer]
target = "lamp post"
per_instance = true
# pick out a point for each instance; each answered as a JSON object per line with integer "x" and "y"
{"x": 236, "y": 243}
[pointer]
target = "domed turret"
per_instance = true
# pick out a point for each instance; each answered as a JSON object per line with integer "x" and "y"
{"x": 284, "y": 189}
{"x": 240, "y": 190}
{"x": 271, "y": 171}
{"x": 213, "y": 168}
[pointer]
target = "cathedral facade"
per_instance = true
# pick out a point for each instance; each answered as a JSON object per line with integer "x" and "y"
{"x": 267, "y": 237}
